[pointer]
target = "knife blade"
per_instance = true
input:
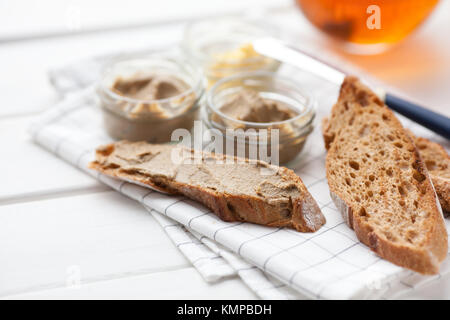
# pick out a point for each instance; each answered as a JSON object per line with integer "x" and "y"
{"x": 278, "y": 50}
{"x": 282, "y": 52}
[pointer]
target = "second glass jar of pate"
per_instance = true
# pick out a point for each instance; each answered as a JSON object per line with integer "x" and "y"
{"x": 246, "y": 108}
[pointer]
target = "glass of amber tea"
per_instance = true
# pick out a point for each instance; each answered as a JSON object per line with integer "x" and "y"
{"x": 367, "y": 26}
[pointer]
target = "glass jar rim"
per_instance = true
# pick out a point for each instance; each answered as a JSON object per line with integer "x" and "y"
{"x": 309, "y": 105}
{"x": 244, "y": 64}
{"x": 198, "y": 86}
{"x": 200, "y": 55}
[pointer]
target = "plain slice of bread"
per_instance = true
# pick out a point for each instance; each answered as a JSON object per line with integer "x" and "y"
{"x": 235, "y": 189}
{"x": 437, "y": 162}
{"x": 379, "y": 182}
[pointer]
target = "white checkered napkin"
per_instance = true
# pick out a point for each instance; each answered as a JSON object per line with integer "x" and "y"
{"x": 261, "y": 283}
{"x": 209, "y": 264}
{"x": 215, "y": 262}
{"x": 330, "y": 263}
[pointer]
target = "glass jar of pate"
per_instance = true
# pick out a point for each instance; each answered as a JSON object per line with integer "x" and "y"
{"x": 259, "y": 115}
{"x": 148, "y": 97}
{"x": 222, "y": 47}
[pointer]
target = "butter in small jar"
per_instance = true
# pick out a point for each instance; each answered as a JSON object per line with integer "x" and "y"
{"x": 223, "y": 47}
{"x": 147, "y": 98}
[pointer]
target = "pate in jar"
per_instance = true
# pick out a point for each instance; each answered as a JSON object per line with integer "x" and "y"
{"x": 259, "y": 115}
{"x": 148, "y": 97}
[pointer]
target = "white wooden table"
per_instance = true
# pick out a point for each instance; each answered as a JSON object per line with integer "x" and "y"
{"x": 58, "y": 225}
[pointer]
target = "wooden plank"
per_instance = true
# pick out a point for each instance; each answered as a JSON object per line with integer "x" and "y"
{"x": 27, "y": 88}
{"x": 30, "y": 171}
{"x": 66, "y": 16}
{"x": 45, "y": 244}
{"x": 184, "y": 283}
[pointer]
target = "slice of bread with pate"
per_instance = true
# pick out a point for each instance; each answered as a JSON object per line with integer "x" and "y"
{"x": 379, "y": 182}
{"x": 235, "y": 189}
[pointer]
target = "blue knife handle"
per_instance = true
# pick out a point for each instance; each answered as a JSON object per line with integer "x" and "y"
{"x": 434, "y": 121}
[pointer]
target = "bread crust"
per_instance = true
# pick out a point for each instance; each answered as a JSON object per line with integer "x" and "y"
{"x": 442, "y": 186}
{"x": 425, "y": 260}
{"x": 441, "y": 180}
{"x": 305, "y": 216}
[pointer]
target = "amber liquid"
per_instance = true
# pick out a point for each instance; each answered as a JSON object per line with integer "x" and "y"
{"x": 350, "y": 20}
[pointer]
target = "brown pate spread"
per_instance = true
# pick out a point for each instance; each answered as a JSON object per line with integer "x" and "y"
{"x": 152, "y": 108}
{"x": 249, "y": 106}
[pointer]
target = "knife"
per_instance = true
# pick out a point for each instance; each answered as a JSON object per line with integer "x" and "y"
{"x": 278, "y": 50}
